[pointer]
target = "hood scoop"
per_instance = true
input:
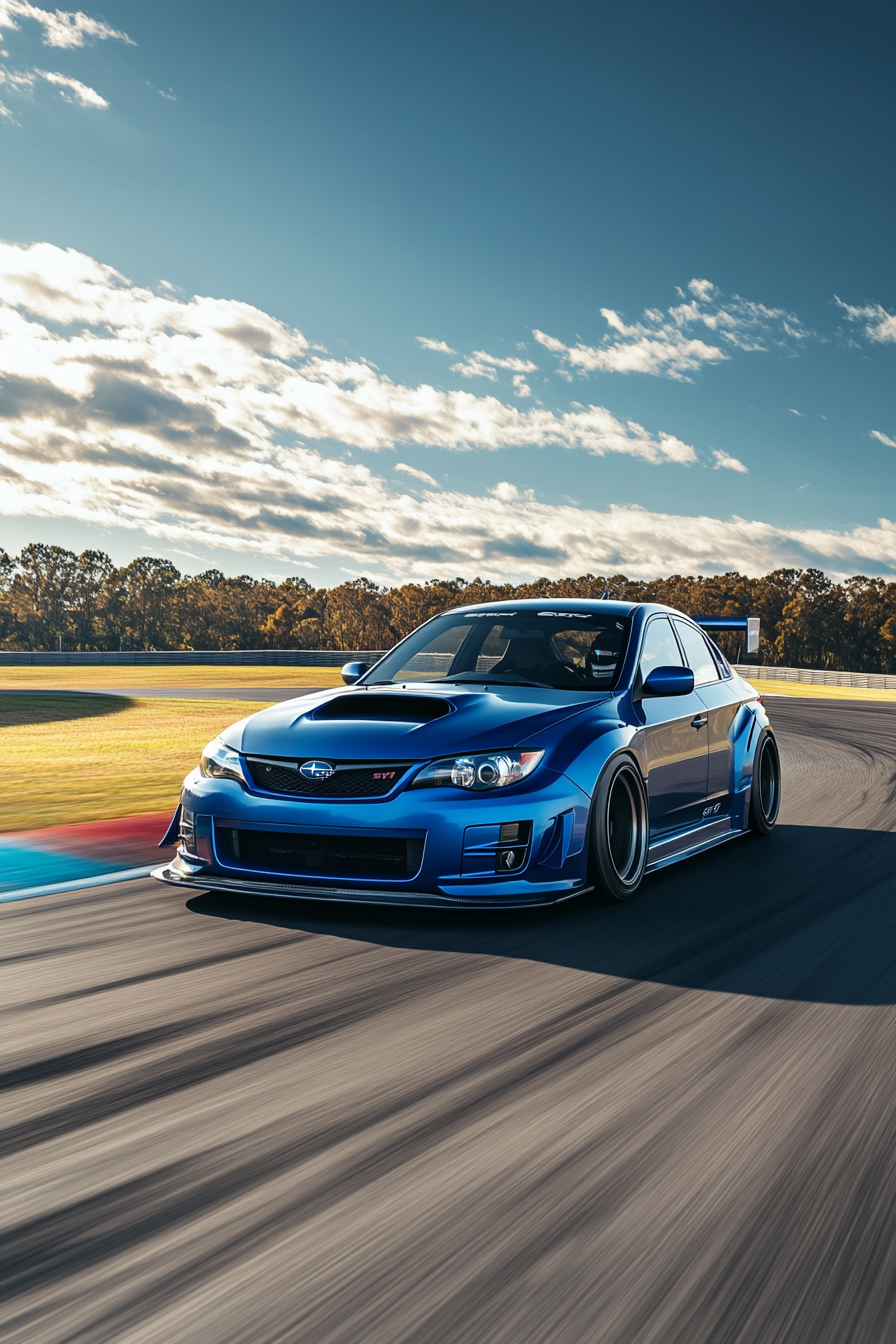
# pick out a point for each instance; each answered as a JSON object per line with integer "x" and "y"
{"x": 363, "y": 707}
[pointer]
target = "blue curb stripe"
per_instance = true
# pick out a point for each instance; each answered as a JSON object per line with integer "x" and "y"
{"x": 31, "y": 864}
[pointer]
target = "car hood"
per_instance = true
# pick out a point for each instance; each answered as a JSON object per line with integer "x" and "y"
{"x": 405, "y": 725}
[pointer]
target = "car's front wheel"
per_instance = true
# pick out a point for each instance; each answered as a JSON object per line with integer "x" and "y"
{"x": 619, "y": 831}
{"x": 765, "y": 792}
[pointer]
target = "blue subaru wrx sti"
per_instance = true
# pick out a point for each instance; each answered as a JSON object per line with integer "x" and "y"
{"x": 507, "y": 754}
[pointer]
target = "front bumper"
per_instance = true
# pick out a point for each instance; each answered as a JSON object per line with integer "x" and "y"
{"x": 453, "y": 825}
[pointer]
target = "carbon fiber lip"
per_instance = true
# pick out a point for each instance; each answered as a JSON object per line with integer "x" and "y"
{"x": 354, "y": 895}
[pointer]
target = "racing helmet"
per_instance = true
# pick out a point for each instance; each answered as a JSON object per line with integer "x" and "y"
{"x": 603, "y": 655}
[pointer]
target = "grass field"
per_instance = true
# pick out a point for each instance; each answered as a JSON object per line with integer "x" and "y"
{"x": 88, "y": 759}
{"x": 819, "y": 692}
{"x": 86, "y": 678}
{"x": 70, "y": 759}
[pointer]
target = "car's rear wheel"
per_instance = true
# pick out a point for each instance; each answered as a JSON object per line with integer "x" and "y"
{"x": 765, "y": 791}
{"x": 619, "y": 832}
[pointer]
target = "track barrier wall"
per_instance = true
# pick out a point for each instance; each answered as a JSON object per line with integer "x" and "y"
{"x": 807, "y": 676}
{"x": 195, "y": 658}
{"x": 336, "y": 657}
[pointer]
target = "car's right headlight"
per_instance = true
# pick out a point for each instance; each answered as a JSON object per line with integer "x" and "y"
{"x": 479, "y": 770}
{"x": 218, "y": 761}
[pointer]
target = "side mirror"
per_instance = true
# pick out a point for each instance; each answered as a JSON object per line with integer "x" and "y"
{"x": 669, "y": 681}
{"x": 352, "y": 672}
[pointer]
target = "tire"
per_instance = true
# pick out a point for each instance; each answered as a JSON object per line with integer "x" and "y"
{"x": 619, "y": 832}
{"x": 765, "y": 791}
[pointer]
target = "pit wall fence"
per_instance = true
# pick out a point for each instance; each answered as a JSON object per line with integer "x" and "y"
{"x": 336, "y": 657}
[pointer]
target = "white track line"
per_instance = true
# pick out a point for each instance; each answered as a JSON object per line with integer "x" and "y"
{"x": 103, "y": 880}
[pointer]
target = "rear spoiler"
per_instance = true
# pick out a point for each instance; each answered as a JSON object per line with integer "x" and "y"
{"x": 744, "y": 625}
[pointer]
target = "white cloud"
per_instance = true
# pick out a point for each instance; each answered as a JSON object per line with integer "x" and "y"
{"x": 124, "y": 407}
{"x": 883, "y": 438}
{"x": 442, "y": 347}
{"x": 879, "y": 324}
{"x": 62, "y": 28}
{"x": 793, "y": 412}
{"x": 415, "y": 471}
{"x": 481, "y": 365}
{"x": 82, "y": 93}
{"x": 726, "y": 460}
{"x": 124, "y": 369}
{"x": 509, "y": 493}
{"x": 664, "y": 344}
{"x": 520, "y": 387}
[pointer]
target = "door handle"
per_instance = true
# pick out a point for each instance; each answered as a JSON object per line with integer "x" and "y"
{"x": 700, "y": 722}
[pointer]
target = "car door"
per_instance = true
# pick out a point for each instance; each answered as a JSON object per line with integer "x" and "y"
{"x": 721, "y": 707}
{"x": 675, "y": 737}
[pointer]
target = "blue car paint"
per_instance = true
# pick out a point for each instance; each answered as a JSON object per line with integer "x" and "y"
{"x": 579, "y": 732}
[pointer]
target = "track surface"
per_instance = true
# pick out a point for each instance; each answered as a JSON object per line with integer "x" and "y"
{"x": 669, "y": 1122}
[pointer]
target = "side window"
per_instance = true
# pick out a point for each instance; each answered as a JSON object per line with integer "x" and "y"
{"x": 721, "y": 660}
{"x": 697, "y": 652}
{"x": 660, "y": 647}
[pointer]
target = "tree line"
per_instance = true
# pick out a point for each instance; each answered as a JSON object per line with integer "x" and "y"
{"x": 50, "y": 598}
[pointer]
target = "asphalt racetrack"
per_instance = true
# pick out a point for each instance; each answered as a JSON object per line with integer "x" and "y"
{"x": 669, "y": 1122}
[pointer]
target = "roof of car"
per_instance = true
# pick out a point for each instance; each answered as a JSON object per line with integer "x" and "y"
{"x": 594, "y": 605}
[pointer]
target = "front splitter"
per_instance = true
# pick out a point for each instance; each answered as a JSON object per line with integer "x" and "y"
{"x": 356, "y": 895}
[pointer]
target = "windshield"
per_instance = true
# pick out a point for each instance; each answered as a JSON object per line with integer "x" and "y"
{"x": 561, "y": 650}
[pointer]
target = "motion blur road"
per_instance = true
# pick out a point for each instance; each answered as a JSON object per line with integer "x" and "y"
{"x": 669, "y": 1122}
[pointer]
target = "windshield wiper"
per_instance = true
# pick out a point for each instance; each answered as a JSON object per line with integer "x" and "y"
{"x": 509, "y": 677}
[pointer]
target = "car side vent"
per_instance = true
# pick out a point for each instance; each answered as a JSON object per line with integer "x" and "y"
{"x": 396, "y": 708}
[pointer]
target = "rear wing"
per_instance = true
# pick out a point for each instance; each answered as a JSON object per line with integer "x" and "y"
{"x": 748, "y": 626}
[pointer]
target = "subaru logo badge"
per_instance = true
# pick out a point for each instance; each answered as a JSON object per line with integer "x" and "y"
{"x": 317, "y": 770}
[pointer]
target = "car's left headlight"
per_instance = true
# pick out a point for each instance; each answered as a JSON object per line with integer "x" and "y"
{"x": 479, "y": 771}
{"x": 218, "y": 761}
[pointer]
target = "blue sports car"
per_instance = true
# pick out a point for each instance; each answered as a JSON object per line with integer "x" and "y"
{"x": 507, "y": 754}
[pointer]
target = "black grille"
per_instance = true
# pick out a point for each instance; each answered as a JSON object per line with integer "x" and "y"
{"x": 326, "y": 855}
{"x": 348, "y": 781}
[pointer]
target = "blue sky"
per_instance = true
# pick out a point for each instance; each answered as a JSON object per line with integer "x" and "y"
{"x": 680, "y": 216}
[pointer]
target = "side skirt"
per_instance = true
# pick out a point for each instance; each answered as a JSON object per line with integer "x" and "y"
{"x": 671, "y": 848}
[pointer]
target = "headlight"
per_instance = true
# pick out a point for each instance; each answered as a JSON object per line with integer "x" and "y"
{"x": 486, "y": 770}
{"x": 218, "y": 761}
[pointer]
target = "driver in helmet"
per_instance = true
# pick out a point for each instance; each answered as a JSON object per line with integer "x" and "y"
{"x": 603, "y": 655}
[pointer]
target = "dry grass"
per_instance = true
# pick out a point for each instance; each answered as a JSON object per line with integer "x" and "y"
{"x": 69, "y": 758}
{"x": 819, "y": 692}
{"x": 90, "y": 758}
{"x": 126, "y": 678}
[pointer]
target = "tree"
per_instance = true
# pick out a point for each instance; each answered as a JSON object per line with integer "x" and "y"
{"x": 92, "y": 595}
{"x": 150, "y": 612}
{"x": 41, "y": 593}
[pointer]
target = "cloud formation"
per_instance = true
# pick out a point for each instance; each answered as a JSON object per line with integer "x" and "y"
{"x": 883, "y": 438}
{"x": 141, "y": 371}
{"x": 879, "y": 324}
{"x": 124, "y": 407}
{"x": 664, "y": 343}
{"x": 481, "y": 365}
{"x": 442, "y": 347}
{"x": 731, "y": 463}
{"x": 415, "y": 471}
{"x": 61, "y": 28}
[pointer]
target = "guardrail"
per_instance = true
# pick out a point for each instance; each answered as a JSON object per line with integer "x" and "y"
{"x": 866, "y": 681}
{"x": 194, "y": 657}
{"x": 336, "y": 657}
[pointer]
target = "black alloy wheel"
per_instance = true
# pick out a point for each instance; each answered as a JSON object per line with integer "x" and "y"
{"x": 765, "y": 791}
{"x": 619, "y": 831}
